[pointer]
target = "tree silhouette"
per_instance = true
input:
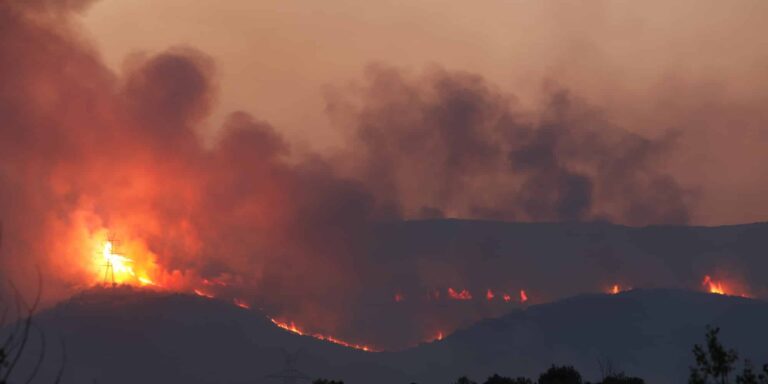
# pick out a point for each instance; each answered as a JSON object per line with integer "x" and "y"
{"x": 464, "y": 380}
{"x": 714, "y": 363}
{"x": 748, "y": 376}
{"x": 560, "y": 375}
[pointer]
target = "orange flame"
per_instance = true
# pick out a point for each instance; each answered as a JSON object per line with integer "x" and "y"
{"x": 615, "y": 289}
{"x": 463, "y": 295}
{"x": 523, "y": 296}
{"x": 293, "y": 328}
{"x": 489, "y": 294}
{"x": 719, "y": 288}
{"x": 712, "y": 286}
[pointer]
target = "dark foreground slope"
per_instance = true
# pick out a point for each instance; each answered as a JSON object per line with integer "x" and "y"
{"x": 129, "y": 337}
{"x": 126, "y": 336}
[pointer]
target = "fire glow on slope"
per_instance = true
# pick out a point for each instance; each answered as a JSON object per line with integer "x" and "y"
{"x": 720, "y": 288}
{"x": 129, "y": 262}
{"x": 466, "y": 295}
{"x": 616, "y": 289}
{"x": 293, "y": 328}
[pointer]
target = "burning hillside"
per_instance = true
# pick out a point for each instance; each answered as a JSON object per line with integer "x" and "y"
{"x": 105, "y": 179}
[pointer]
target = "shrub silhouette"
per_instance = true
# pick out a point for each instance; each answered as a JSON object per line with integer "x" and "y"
{"x": 714, "y": 363}
{"x": 326, "y": 381}
{"x": 622, "y": 379}
{"x": 465, "y": 380}
{"x": 560, "y": 375}
{"x": 496, "y": 379}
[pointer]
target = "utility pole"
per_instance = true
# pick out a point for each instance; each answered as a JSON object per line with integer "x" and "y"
{"x": 109, "y": 269}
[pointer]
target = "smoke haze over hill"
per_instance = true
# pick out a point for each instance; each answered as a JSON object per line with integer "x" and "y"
{"x": 191, "y": 195}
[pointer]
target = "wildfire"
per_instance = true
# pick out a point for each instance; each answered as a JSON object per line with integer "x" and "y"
{"x": 712, "y": 286}
{"x": 293, "y": 328}
{"x": 119, "y": 269}
{"x": 466, "y": 295}
{"x": 719, "y": 288}
{"x": 202, "y": 293}
{"x": 615, "y": 289}
{"x": 127, "y": 261}
{"x": 462, "y": 295}
{"x": 241, "y": 303}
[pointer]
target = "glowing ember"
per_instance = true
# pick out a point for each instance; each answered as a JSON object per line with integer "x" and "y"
{"x": 399, "y": 297}
{"x": 293, "y": 328}
{"x": 523, "y": 296}
{"x": 202, "y": 293}
{"x": 489, "y": 294}
{"x": 507, "y": 297}
{"x": 241, "y": 303}
{"x": 214, "y": 282}
{"x": 463, "y": 295}
{"x": 439, "y": 336}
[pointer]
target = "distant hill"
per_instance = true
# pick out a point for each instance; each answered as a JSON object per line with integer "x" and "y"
{"x": 647, "y": 333}
{"x": 126, "y": 336}
{"x": 551, "y": 261}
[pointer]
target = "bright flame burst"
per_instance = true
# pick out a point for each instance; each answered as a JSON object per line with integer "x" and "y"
{"x": 719, "y": 288}
{"x": 713, "y": 286}
{"x": 293, "y": 328}
{"x": 120, "y": 269}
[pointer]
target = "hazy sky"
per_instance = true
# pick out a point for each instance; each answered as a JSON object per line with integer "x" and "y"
{"x": 696, "y": 66}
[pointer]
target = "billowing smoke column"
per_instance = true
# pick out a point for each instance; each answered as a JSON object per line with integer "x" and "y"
{"x": 84, "y": 152}
{"x": 90, "y": 159}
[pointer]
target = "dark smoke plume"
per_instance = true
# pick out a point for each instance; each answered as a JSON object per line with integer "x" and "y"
{"x": 449, "y": 143}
